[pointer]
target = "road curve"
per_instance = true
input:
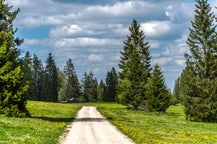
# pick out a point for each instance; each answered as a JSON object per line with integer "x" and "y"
{"x": 90, "y": 127}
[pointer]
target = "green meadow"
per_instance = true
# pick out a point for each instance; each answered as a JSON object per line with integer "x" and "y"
{"x": 170, "y": 127}
{"x": 49, "y": 121}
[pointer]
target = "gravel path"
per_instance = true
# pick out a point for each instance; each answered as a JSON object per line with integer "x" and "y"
{"x": 90, "y": 127}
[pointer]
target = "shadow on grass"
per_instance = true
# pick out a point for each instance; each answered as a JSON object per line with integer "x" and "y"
{"x": 53, "y": 119}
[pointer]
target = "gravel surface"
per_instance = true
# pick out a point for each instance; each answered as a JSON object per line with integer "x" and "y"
{"x": 90, "y": 127}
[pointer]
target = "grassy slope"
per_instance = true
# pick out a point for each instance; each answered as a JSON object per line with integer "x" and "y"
{"x": 144, "y": 127}
{"x": 47, "y": 124}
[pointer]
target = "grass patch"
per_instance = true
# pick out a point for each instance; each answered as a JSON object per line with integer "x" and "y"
{"x": 171, "y": 127}
{"x": 48, "y": 122}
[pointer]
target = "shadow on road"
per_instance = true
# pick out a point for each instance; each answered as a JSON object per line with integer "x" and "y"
{"x": 53, "y": 119}
{"x": 87, "y": 119}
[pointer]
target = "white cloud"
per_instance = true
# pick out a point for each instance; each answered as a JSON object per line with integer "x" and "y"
{"x": 84, "y": 42}
{"x": 180, "y": 62}
{"x": 180, "y": 12}
{"x": 156, "y": 28}
{"x": 95, "y": 57}
{"x": 31, "y": 41}
{"x": 161, "y": 61}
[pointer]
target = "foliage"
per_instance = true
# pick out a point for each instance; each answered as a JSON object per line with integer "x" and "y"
{"x": 198, "y": 80}
{"x": 111, "y": 84}
{"x": 48, "y": 122}
{"x": 158, "y": 96}
{"x": 13, "y": 85}
{"x": 135, "y": 67}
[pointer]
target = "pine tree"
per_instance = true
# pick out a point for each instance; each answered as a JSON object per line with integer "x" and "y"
{"x": 50, "y": 81}
{"x": 135, "y": 68}
{"x": 101, "y": 91}
{"x": 38, "y": 73}
{"x": 111, "y": 84}
{"x": 26, "y": 64}
{"x": 198, "y": 80}
{"x": 158, "y": 96}
{"x": 89, "y": 87}
{"x": 72, "y": 88}
{"x": 13, "y": 87}
{"x": 177, "y": 92}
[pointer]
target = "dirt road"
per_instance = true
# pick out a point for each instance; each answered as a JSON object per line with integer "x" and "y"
{"x": 90, "y": 127}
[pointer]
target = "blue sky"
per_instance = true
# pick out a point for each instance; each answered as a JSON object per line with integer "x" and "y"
{"x": 91, "y": 32}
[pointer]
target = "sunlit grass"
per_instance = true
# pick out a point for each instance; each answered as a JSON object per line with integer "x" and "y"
{"x": 48, "y": 122}
{"x": 171, "y": 127}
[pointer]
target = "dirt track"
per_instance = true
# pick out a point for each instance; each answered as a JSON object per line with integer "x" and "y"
{"x": 90, "y": 127}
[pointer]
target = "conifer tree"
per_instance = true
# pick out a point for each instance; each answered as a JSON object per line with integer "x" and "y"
{"x": 13, "y": 87}
{"x": 26, "y": 63}
{"x": 89, "y": 87}
{"x": 101, "y": 91}
{"x": 72, "y": 88}
{"x": 50, "y": 81}
{"x": 198, "y": 80}
{"x": 135, "y": 68}
{"x": 38, "y": 73}
{"x": 158, "y": 96}
{"x": 111, "y": 84}
{"x": 177, "y": 91}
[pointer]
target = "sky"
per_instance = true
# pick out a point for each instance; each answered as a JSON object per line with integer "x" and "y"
{"x": 91, "y": 32}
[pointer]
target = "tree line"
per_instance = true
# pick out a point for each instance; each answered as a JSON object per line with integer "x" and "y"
{"x": 49, "y": 83}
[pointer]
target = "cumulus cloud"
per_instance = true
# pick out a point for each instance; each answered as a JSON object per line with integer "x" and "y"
{"x": 156, "y": 28}
{"x": 95, "y": 57}
{"x": 84, "y": 42}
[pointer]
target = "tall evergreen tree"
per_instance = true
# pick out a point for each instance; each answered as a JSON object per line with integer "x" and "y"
{"x": 72, "y": 88}
{"x": 198, "y": 80}
{"x": 50, "y": 81}
{"x": 135, "y": 68}
{"x": 89, "y": 87}
{"x": 158, "y": 96}
{"x": 26, "y": 63}
{"x": 38, "y": 73}
{"x": 111, "y": 84}
{"x": 13, "y": 87}
{"x": 101, "y": 91}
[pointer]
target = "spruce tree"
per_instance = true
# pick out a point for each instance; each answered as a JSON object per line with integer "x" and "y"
{"x": 101, "y": 91}
{"x": 38, "y": 73}
{"x": 89, "y": 87}
{"x": 177, "y": 91}
{"x": 158, "y": 96}
{"x": 111, "y": 84}
{"x": 13, "y": 87}
{"x": 72, "y": 88}
{"x": 50, "y": 81}
{"x": 135, "y": 68}
{"x": 198, "y": 80}
{"x": 26, "y": 63}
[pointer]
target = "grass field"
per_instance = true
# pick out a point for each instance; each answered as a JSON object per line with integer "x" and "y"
{"x": 46, "y": 125}
{"x": 50, "y": 119}
{"x": 144, "y": 127}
